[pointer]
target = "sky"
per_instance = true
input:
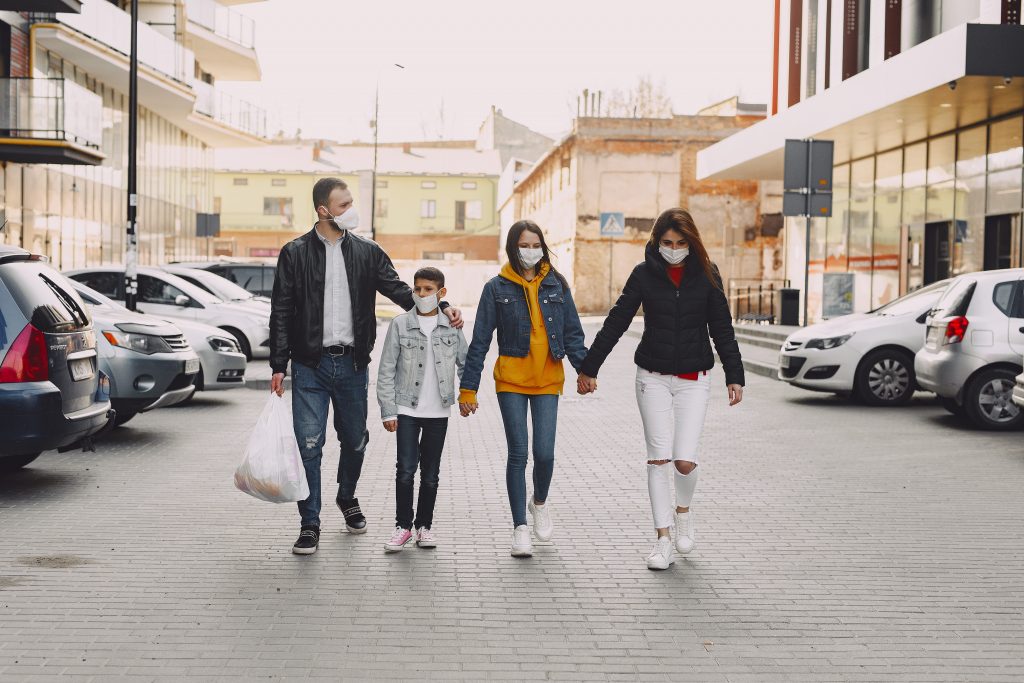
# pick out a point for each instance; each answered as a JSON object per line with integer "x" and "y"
{"x": 322, "y": 60}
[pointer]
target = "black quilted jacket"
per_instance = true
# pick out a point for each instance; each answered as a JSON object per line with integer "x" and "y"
{"x": 679, "y": 322}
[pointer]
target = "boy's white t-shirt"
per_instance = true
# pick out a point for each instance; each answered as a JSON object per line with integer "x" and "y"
{"x": 429, "y": 402}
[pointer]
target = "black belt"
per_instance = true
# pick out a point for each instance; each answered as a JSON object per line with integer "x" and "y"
{"x": 338, "y": 350}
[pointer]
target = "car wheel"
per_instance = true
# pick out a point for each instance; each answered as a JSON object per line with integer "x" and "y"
{"x": 243, "y": 343}
{"x": 952, "y": 406}
{"x": 10, "y": 463}
{"x": 988, "y": 401}
{"x": 886, "y": 378}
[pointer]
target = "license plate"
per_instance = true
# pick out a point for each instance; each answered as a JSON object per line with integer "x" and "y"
{"x": 81, "y": 368}
{"x": 784, "y": 362}
{"x": 191, "y": 366}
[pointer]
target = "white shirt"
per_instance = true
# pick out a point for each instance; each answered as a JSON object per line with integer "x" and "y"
{"x": 338, "y": 326}
{"x": 428, "y": 404}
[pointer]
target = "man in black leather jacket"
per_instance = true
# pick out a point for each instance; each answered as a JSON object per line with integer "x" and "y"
{"x": 323, "y": 320}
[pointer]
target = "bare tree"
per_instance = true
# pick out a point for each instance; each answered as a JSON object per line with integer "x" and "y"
{"x": 646, "y": 99}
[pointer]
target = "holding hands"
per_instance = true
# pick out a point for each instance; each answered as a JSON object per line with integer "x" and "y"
{"x": 586, "y": 385}
{"x": 467, "y": 408}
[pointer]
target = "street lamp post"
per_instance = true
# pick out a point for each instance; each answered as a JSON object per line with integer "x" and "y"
{"x": 373, "y": 174}
{"x": 132, "y": 244}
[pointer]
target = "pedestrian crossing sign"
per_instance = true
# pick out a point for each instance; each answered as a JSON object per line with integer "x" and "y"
{"x": 613, "y": 224}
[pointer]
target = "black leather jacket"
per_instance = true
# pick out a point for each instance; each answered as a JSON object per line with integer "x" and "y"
{"x": 297, "y": 307}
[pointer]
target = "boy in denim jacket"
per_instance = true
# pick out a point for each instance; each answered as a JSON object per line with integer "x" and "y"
{"x": 416, "y": 388}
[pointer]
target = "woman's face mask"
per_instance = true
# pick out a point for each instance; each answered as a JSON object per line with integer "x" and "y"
{"x": 674, "y": 256}
{"x": 530, "y": 257}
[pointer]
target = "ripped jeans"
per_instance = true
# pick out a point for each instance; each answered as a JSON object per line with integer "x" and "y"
{"x": 335, "y": 382}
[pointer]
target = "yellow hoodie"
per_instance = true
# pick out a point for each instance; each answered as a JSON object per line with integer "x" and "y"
{"x": 537, "y": 373}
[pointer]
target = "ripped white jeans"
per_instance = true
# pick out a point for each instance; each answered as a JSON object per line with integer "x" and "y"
{"x": 672, "y": 410}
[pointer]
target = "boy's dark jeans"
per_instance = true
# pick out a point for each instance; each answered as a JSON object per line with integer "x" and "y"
{"x": 420, "y": 442}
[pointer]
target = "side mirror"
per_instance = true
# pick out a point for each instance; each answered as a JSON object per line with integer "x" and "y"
{"x": 182, "y": 300}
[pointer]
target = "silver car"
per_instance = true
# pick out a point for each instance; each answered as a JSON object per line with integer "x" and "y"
{"x": 220, "y": 287}
{"x": 973, "y": 348}
{"x": 221, "y": 362}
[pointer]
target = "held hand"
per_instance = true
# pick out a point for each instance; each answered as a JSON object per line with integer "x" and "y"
{"x": 391, "y": 425}
{"x": 277, "y": 383}
{"x": 735, "y": 394}
{"x": 455, "y": 316}
{"x": 466, "y": 408}
{"x": 585, "y": 384}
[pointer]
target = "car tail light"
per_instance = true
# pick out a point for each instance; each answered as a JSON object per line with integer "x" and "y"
{"x": 955, "y": 330}
{"x": 27, "y": 360}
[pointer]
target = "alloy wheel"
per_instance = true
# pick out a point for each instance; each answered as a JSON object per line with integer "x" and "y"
{"x": 889, "y": 379}
{"x": 996, "y": 401}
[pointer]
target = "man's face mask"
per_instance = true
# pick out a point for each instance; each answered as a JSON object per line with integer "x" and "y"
{"x": 348, "y": 220}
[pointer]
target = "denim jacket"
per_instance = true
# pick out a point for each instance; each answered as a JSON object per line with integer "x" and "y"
{"x": 503, "y": 308}
{"x": 401, "y": 364}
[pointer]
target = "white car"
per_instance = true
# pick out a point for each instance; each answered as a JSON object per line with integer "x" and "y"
{"x": 220, "y": 287}
{"x": 167, "y": 296}
{"x": 868, "y": 355}
{"x": 221, "y": 362}
{"x": 1018, "y": 391}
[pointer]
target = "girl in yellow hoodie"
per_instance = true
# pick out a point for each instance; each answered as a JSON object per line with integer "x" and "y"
{"x": 531, "y": 308}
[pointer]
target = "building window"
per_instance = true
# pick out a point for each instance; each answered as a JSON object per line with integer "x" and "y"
{"x": 241, "y": 181}
{"x": 474, "y": 210}
{"x": 433, "y": 255}
{"x": 279, "y": 206}
{"x": 382, "y": 208}
{"x": 428, "y": 208}
{"x": 428, "y": 184}
{"x": 278, "y": 182}
{"x": 469, "y": 185}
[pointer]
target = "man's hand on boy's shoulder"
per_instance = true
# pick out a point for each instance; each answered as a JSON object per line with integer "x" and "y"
{"x": 455, "y": 317}
{"x": 391, "y": 425}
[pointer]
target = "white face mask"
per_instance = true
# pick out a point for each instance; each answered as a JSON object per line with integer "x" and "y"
{"x": 349, "y": 220}
{"x": 425, "y": 304}
{"x": 674, "y": 256}
{"x": 530, "y": 257}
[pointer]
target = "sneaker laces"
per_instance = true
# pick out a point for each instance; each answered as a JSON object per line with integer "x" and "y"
{"x": 659, "y": 548}
{"x": 426, "y": 535}
{"x": 397, "y": 536}
{"x": 308, "y": 533}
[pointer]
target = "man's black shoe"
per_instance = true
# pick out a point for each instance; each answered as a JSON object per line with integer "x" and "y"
{"x": 354, "y": 518}
{"x": 309, "y": 539}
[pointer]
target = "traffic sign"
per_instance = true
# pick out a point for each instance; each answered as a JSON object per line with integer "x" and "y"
{"x": 613, "y": 223}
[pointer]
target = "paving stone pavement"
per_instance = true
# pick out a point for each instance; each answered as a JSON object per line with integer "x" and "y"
{"x": 835, "y": 543}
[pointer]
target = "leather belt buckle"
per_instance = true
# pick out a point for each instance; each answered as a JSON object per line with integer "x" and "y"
{"x": 337, "y": 350}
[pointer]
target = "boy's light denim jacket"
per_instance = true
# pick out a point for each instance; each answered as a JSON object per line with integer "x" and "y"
{"x": 400, "y": 376}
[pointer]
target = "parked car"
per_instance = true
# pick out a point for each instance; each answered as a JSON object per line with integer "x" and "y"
{"x": 255, "y": 277}
{"x": 168, "y": 297}
{"x": 869, "y": 355}
{"x": 51, "y": 392}
{"x": 1018, "y": 391}
{"x": 974, "y": 345}
{"x": 220, "y": 287}
{"x": 221, "y": 362}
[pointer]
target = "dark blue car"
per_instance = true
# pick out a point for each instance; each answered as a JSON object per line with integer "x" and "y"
{"x": 50, "y": 389}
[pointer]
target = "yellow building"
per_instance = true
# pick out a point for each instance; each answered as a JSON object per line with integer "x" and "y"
{"x": 64, "y": 123}
{"x": 432, "y": 202}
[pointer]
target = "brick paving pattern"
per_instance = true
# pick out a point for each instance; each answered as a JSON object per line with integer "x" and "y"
{"x": 835, "y": 543}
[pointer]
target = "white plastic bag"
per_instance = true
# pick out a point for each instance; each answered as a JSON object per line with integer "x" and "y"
{"x": 272, "y": 469}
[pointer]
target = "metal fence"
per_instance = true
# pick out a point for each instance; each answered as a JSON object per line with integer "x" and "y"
{"x": 50, "y": 109}
{"x": 755, "y": 301}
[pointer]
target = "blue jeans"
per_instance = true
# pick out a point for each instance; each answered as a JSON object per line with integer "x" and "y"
{"x": 313, "y": 391}
{"x": 544, "y": 411}
{"x": 420, "y": 443}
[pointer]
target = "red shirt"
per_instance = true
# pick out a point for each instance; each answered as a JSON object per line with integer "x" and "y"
{"x": 676, "y": 273}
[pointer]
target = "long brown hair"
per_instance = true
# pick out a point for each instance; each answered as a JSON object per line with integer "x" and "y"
{"x": 681, "y": 221}
{"x": 512, "y": 248}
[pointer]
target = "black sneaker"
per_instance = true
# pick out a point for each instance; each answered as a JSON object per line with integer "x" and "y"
{"x": 309, "y": 539}
{"x": 354, "y": 518}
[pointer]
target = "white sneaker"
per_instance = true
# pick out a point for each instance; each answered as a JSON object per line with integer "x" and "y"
{"x": 522, "y": 546}
{"x": 685, "y": 541}
{"x": 662, "y": 555}
{"x": 543, "y": 527}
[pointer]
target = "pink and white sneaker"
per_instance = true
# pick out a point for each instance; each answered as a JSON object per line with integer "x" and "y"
{"x": 398, "y": 540}
{"x": 425, "y": 539}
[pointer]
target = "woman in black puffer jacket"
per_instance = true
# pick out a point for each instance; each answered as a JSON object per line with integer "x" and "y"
{"x": 684, "y": 309}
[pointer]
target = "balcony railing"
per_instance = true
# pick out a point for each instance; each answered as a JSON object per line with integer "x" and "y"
{"x": 111, "y": 26}
{"x": 229, "y": 110}
{"x": 224, "y": 22}
{"x": 50, "y": 109}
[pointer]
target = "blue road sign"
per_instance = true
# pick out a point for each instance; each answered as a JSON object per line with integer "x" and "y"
{"x": 613, "y": 223}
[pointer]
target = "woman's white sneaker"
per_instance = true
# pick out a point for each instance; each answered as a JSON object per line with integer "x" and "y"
{"x": 685, "y": 540}
{"x": 662, "y": 555}
{"x": 522, "y": 546}
{"x": 543, "y": 527}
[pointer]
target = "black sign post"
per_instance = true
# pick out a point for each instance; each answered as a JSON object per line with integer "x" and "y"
{"x": 807, "y": 191}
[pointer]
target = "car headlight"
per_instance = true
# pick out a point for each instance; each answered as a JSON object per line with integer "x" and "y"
{"x": 143, "y": 343}
{"x": 829, "y": 343}
{"x": 223, "y": 345}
